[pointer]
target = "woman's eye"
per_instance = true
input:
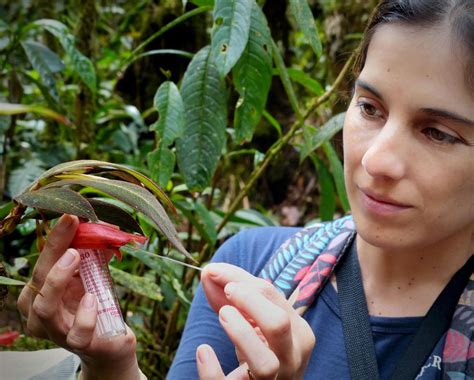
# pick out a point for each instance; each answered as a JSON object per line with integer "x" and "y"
{"x": 369, "y": 111}
{"x": 440, "y": 137}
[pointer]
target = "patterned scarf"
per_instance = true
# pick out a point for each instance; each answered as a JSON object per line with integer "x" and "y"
{"x": 302, "y": 266}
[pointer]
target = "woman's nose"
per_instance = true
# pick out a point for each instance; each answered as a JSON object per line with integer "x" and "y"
{"x": 386, "y": 153}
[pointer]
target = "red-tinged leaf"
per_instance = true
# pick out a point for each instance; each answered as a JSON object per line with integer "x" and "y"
{"x": 63, "y": 201}
{"x": 112, "y": 214}
{"x": 7, "y": 339}
{"x": 84, "y": 166}
{"x": 135, "y": 196}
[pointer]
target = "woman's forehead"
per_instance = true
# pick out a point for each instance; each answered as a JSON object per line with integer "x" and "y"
{"x": 420, "y": 64}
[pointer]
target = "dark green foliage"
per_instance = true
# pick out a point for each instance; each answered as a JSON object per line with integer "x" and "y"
{"x": 213, "y": 100}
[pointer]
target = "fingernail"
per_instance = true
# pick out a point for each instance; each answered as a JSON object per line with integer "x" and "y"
{"x": 65, "y": 222}
{"x": 88, "y": 301}
{"x": 230, "y": 288}
{"x": 224, "y": 313}
{"x": 203, "y": 353}
{"x": 67, "y": 259}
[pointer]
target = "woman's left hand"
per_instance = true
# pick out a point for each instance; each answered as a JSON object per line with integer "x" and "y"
{"x": 272, "y": 340}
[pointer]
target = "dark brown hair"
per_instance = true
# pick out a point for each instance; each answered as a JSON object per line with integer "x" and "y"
{"x": 424, "y": 14}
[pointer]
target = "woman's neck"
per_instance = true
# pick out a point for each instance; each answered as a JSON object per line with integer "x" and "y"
{"x": 401, "y": 283}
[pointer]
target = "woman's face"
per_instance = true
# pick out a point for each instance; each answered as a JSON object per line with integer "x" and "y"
{"x": 408, "y": 142}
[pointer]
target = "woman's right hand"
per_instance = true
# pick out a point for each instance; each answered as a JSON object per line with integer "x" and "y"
{"x": 67, "y": 316}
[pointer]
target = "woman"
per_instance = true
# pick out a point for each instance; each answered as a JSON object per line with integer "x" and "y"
{"x": 408, "y": 153}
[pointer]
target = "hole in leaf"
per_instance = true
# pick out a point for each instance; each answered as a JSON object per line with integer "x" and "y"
{"x": 224, "y": 48}
{"x": 219, "y": 21}
{"x": 265, "y": 47}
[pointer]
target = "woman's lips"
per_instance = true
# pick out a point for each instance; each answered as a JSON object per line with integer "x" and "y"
{"x": 381, "y": 205}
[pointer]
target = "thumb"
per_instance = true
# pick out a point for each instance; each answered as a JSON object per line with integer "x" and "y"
{"x": 208, "y": 365}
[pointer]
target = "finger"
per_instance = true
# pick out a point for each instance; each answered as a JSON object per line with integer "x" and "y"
{"x": 274, "y": 322}
{"x": 208, "y": 365}
{"x": 57, "y": 242}
{"x": 263, "y": 363}
{"x": 47, "y": 307}
{"x": 81, "y": 333}
{"x": 218, "y": 275}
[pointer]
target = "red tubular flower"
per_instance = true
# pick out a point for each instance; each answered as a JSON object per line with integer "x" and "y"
{"x": 103, "y": 236}
{"x": 7, "y": 339}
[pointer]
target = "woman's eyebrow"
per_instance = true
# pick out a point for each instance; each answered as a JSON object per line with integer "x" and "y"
{"x": 448, "y": 116}
{"x": 368, "y": 87}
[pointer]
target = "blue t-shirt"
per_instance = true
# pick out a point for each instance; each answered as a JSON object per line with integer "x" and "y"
{"x": 250, "y": 250}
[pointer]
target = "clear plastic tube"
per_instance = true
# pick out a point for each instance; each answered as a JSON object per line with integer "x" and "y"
{"x": 95, "y": 275}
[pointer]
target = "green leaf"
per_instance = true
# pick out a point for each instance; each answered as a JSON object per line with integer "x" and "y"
{"x": 327, "y": 199}
{"x": 304, "y": 18}
{"x": 338, "y": 174}
{"x": 306, "y": 81}
{"x": 161, "y": 164}
{"x": 141, "y": 285}
{"x": 133, "y": 195}
{"x": 81, "y": 64}
{"x": 22, "y": 177}
{"x": 63, "y": 201}
{"x": 188, "y": 208}
{"x": 16, "y": 109}
{"x": 230, "y": 32}
{"x": 84, "y": 166}
{"x": 205, "y": 102}
{"x": 45, "y": 62}
{"x": 110, "y": 213}
{"x": 170, "y": 108}
{"x": 207, "y": 222}
{"x": 316, "y": 137}
{"x": 285, "y": 79}
{"x": 5, "y": 209}
{"x": 42, "y": 57}
{"x": 10, "y": 281}
{"x": 273, "y": 122}
{"x": 253, "y": 76}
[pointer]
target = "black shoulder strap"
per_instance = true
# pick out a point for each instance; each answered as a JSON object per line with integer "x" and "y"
{"x": 434, "y": 325}
{"x": 358, "y": 333}
{"x": 355, "y": 317}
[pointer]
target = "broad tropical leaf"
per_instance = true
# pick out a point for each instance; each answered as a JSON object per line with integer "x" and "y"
{"x": 205, "y": 103}
{"x": 82, "y": 65}
{"x": 63, "y": 201}
{"x": 84, "y": 166}
{"x": 337, "y": 171}
{"x": 304, "y": 18}
{"x": 108, "y": 212}
{"x": 45, "y": 62}
{"x": 22, "y": 177}
{"x": 253, "y": 76}
{"x": 170, "y": 108}
{"x": 133, "y": 195}
{"x": 230, "y": 32}
{"x": 141, "y": 285}
{"x": 315, "y": 137}
{"x": 161, "y": 164}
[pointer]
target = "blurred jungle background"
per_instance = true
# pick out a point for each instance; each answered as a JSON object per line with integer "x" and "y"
{"x": 234, "y": 107}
